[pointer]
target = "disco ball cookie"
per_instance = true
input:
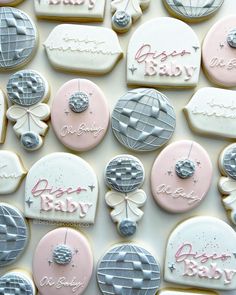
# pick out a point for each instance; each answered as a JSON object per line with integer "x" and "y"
{"x": 17, "y": 282}
{"x": 219, "y": 52}
{"x": 128, "y": 269}
{"x": 62, "y": 263}
{"x": 14, "y": 234}
{"x": 124, "y": 175}
{"x": 80, "y": 115}
{"x": 27, "y": 90}
{"x": 125, "y": 13}
{"x": 143, "y": 119}
{"x": 18, "y": 38}
{"x": 193, "y": 11}
{"x": 181, "y": 176}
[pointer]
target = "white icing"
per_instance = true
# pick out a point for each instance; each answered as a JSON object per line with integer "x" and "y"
{"x": 184, "y": 292}
{"x": 3, "y": 107}
{"x": 164, "y": 52}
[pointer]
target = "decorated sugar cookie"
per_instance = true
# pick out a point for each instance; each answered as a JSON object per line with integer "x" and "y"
{"x": 88, "y": 10}
{"x": 80, "y": 114}
{"x": 128, "y": 269}
{"x": 219, "y": 52}
{"x": 143, "y": 119}
{"x": 211, "y": 111}
{"x": 18, "y": 38}
{"x": 124, "y": 175}
{"x": 200, "y": 252}
{"x": 12, "y": 172}
{"x": 14, "y": 234}
{"x": 62, "y": 263}
{"x": 27, "y": 90}
{"x": 164, "y": 52}
{"x": 3, "y": 121}
{"x": 181, "y": 176}
{"x": 17, "y": 282}
{"x": 193, "y": 10}
{"x": 61, "y": 187}
{"x": 125, "y": 12}
{"x": 78, "y": 48}
{"x": 185, "y": 292}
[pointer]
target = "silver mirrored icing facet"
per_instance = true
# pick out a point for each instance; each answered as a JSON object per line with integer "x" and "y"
{"x": 229, "y": 161}
{"x": 121, "y": 19}
{"x": 128, "y": 269}
{"x": 143, "y": 119}
{"x": 79, "y": 102}
{"x": 231, "y": 38}
{"x": 30, "y": 140}
{"x": 62, "y": 254}
{"x": 14, "y": 234}
{"x": 127, "y": 228}
{"x": 124, "y": 174}
{"x": 185, "y": 168}
{"x": 15, "y": 283}
{"x": 26, "y": 88}
{"x": 18, "y": 38}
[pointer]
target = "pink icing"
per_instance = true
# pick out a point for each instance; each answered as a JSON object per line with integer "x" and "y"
{"x": 80, "y": 131}
{"x": 54, "y": 279}
{"x": 173, "y": 193}
{"x": 219, "y": 59}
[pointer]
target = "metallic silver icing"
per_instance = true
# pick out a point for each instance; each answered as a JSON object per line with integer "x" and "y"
{"x": 231, "y": 38}
{"x": 185, "y": 168}
{"x": 30, "y": 140}
{"x": 229, "y": 162}
{"x": 121, "y": 19}
{"x": 127, "y": 228}
{"x": 15, "y": 283}
{"x": 79, "y": 102}
{"x": 62, "y": 254}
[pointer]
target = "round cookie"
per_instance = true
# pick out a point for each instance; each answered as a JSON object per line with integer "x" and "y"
{"x": 219, "y": 52}
{"x": 193, "y": 11}
{"x": 62, "y": 263}
{"x": 80, "y": 115}
{"x": 181, "y": 176}
{"x": 128, "y": 269}
{"x": 143, "y": 119}
{"x": 18, "y": 38}
{"x": 14, "y": 234}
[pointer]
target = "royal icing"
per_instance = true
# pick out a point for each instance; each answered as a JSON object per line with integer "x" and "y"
{"x": 62, "y": 263}
{"x": 185, "y": 292}
{"x": 3, "y": 122}
{"x": 26, "y": 90}
{"x": 80, "y": 114}
{"x": 200, "y": 252}
{"x": 70, "y": 9}
{"x": 61, "y": 187}
{"x": 18, "y": 38}
{"x": 219, "y": 52}
{"x": 14, "y": 234}
{"x": 181, "y": 176}
{"x": 81, "y": 48}
{"x": 143, "y": 119}
{"x": 128, "y": 269}
{"x": 125, "y": 12}
{"x": 212, "y": 111}
{"x": 124, "y": 175}
{"x": 164, "y": 52}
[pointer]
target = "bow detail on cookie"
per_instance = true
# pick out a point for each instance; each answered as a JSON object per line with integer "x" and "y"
{"x": 227, "y": 186}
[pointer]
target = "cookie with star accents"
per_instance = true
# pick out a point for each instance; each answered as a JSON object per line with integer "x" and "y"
{"x": 61, "y": 187}
{"x": 18, "y": 38}
{"x": 200, "y": 252}
{"x": 62, "y": 263}
{"x": 128, "y": 269}
{"x": 219, "y": 52}
{"x": 80, "y": 115}
{"x": 143, "y": 119}
{"x": 193, "y": 11}
{"x": 181, "y": 176}
{"x": 14, "y": 234}
{"x": 164, "y": 52}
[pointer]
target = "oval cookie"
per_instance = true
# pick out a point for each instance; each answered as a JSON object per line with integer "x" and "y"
{"x": 80, "y": 115}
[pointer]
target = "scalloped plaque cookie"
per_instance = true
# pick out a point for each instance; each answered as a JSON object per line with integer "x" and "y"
{"x": 164, "y": 52}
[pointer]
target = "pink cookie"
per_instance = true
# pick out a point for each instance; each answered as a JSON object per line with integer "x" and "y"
{"x": 80, "y": 115}
{"x": 181, "y": 176}
{"x": 62, "y": 263}
{"x": 219, "y": 52}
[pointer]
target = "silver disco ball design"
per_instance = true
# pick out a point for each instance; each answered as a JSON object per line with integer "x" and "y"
{"x": 15, "y": 284}
{"x": 124, "y": 174}
{"x": 231, "y": 38}
{"x": 18, "y": 37}
{"x": 30, "y": 140}
{"x": 121, "y": 19}
{"x": 13, "y": 234}
{"x": 229, "y": 161}
{"x": 62, "y": 254}
{"x": 128, "y": 269}
{"x": 143, "y": 119}
{"x": 79, "y": 102}
{"x": 127, "y": 228}
{"x": 185, "y": 168}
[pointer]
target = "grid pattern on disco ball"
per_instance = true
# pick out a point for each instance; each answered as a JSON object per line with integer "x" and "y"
{"x": 26, "y": 88}
{"x": 143, "y": 119}
{"x": 124, "y": 174}
{"x": 17, "y": 37}
{"x": 13, "y": 235}
{"x": 15, "y": 285}
{"x": 229, "y": 162}
{"x": 128, "y": 269}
